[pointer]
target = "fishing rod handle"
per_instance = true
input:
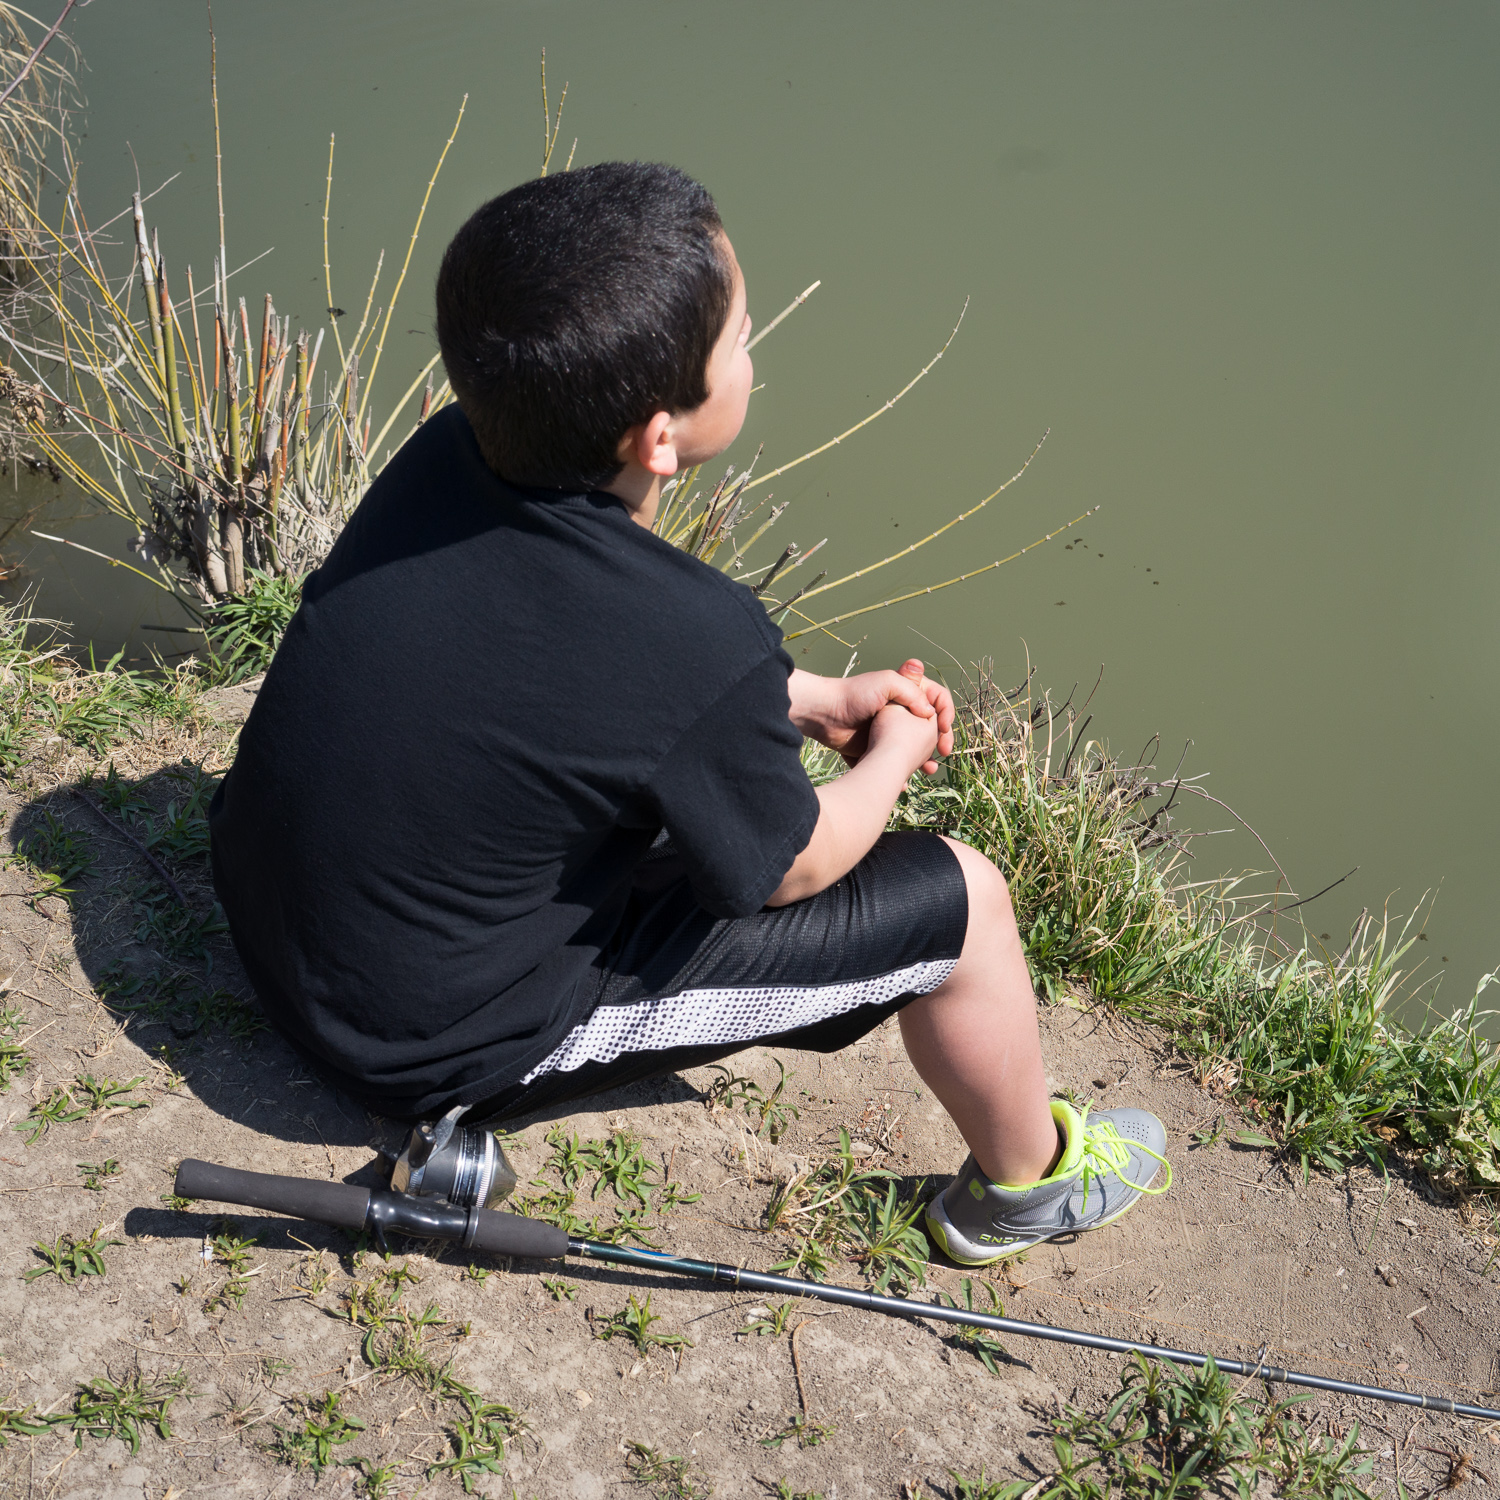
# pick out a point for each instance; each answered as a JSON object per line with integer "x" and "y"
{"x": 335, "y": 1203}
{"x": 355, "y": 1208}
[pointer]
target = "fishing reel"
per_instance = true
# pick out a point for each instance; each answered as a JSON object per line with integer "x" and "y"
{"x": 461, "y": 1164}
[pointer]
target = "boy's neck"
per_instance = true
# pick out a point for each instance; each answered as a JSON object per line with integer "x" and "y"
{"x": 638, "y": 490}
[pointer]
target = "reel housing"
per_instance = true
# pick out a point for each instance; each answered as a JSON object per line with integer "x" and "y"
{"x": 462, "y": 1164}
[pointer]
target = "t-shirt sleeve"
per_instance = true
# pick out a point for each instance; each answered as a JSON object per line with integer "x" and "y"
{"x": 732, "y": 794}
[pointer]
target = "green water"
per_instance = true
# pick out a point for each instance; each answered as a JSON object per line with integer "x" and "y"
{"x": 1240, "y": 259}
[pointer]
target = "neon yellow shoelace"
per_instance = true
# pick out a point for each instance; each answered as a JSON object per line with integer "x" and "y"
{"x": 1106, "y": 1153}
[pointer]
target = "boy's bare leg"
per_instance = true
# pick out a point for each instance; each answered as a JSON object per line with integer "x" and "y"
{"x": 974, "y": 1039}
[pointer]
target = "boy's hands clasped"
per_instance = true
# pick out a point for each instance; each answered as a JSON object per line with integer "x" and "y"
{"x": 853, "y": 714}
{"x": 886, "y": 725}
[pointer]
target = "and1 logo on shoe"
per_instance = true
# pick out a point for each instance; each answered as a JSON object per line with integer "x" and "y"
{"x": 976, "y": 1189}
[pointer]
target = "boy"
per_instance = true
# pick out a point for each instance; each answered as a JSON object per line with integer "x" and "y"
{"x": 519, "y": 816}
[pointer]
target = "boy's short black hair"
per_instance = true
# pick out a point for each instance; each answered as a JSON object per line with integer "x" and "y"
{"x": 575, "y": 306}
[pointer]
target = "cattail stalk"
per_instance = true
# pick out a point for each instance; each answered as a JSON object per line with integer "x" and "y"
{"x": 169, "y": 369}
{"x": 148, "y": 285}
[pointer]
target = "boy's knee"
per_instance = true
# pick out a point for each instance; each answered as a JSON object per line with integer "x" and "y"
{"x": 989, "y": 896}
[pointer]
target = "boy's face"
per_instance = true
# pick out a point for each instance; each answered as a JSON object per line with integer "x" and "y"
{"x": 709, "y": 429}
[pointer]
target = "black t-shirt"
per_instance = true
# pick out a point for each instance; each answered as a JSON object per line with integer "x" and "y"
{"x": 490, "y": 703}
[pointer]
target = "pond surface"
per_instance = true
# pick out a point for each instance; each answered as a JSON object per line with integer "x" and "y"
{"x": 1240, "y": 261}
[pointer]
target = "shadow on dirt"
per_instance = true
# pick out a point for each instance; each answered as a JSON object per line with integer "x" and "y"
{"x": 129, "y": 858}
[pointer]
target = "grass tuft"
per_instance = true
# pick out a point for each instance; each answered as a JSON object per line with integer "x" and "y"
{"x": 72, "y": 1259}
{"x": 325, "y": 1427}
{"x": 106, "y": 1408}
{"x": 1171, "y": 1432}
{"x": 1301, "y": 1037}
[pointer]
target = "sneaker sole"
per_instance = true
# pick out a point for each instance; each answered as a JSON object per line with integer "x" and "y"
{"x": 939, "y": 1226}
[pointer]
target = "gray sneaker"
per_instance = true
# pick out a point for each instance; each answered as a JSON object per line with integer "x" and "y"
{"x": 1110, "y": 1159}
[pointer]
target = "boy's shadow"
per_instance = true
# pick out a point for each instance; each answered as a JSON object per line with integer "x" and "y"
{"x": 130, "y": 857}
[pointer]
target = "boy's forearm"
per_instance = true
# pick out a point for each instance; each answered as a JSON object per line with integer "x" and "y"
{"x": 853, "y": 812}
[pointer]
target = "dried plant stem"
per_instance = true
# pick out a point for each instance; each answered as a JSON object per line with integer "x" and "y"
{"x": 933, "y": 588}
{"x": 785, "y": 312}
{"x": 932, "y": 535}
{"x": 406, "y": 264}
{"x": 879, "y": 412}
{"x": 40, "y": 47}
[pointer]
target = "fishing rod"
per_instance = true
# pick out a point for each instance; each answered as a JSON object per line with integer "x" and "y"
{"x": 448, "y": 1175}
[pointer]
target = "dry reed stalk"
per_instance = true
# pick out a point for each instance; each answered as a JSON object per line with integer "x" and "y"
{"x": 198, "y": 463}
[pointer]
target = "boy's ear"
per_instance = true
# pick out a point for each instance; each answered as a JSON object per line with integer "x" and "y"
{"x": 652, "y": 445}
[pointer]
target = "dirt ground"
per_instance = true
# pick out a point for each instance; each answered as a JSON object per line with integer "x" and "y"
{"x": 1337, "y": 1277}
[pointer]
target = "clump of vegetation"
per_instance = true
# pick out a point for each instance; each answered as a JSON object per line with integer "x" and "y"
{"x": 47, "y": 699}
{"x": 325, "y": 1428}
{"x": 71, "y": 1259}
{"x": 634, "y": 1322}
{"x": 979, "y": 1342}
{"x": 481, "y": 1439}
{"x": 1300, "y": 1036}
{"x": 56, "y": 855}
{"x": 842, "y": 1208}
{"x": 619, "y": 1163}
{"x": 96, "y": 1175}
{"x": 1171, "y": 1432}
{"x": 63, "y": 1105}
{"x": 667, "y": 1476}
{"x": 802, "y": 1430}
{"x": 234, "y": 1251}
{"x": 769, "y": 1111}
{"x": 14, "y": 1058}
{"x": 105, "y": 1408}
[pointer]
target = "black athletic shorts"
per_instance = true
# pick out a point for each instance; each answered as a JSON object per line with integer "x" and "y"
{"x": 678, "y": 987}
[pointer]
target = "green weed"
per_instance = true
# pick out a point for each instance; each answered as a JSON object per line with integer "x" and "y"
{"x": 627, "y": 1226}
{"x": 1171, "y": 1432}
{"x": 769, "y": 1111}
{"x": 56, "y": 855}
{"x": 634, "y": 1321}
{"x": 886, "y": 1239}
{"x": 377, "y": 1481}
{"x": 397, "y": 1341}
{"x": 771, "y": 1322}
{"x": 109, "y": 1093}
{"x": 558, "y": 1289}
{"x": 666, "y": 1475}
{"x": 71, "y": 1259}
{"x": 325, "y": 1428}
{"x": 106, "y": 1408}
{"x": 480, "y": 1440}
{"x": 97, "y": 1174}
{"x": 172, "y": 929}
{"x": 180, "y": 830}
{"x": 623, "y": 1168}
{"x": 245, "y": 629}
{"x": 843, "y": 1208}
{"x": 62, "y": 1106}
{"x": 571, "y": 1159}
{"x": 783, "y": 1490}
{"x": 234, "y": 1251}
{"x": 672, "y": 1193}
{"x": 982, "y": 1344}
{"x": 802, "y": 1430}
{"x": 20, "y": 1421}
{"x": 14, "y": 1058}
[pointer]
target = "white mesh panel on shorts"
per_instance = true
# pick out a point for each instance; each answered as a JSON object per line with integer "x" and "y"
{"x": 699, "y": 1017}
